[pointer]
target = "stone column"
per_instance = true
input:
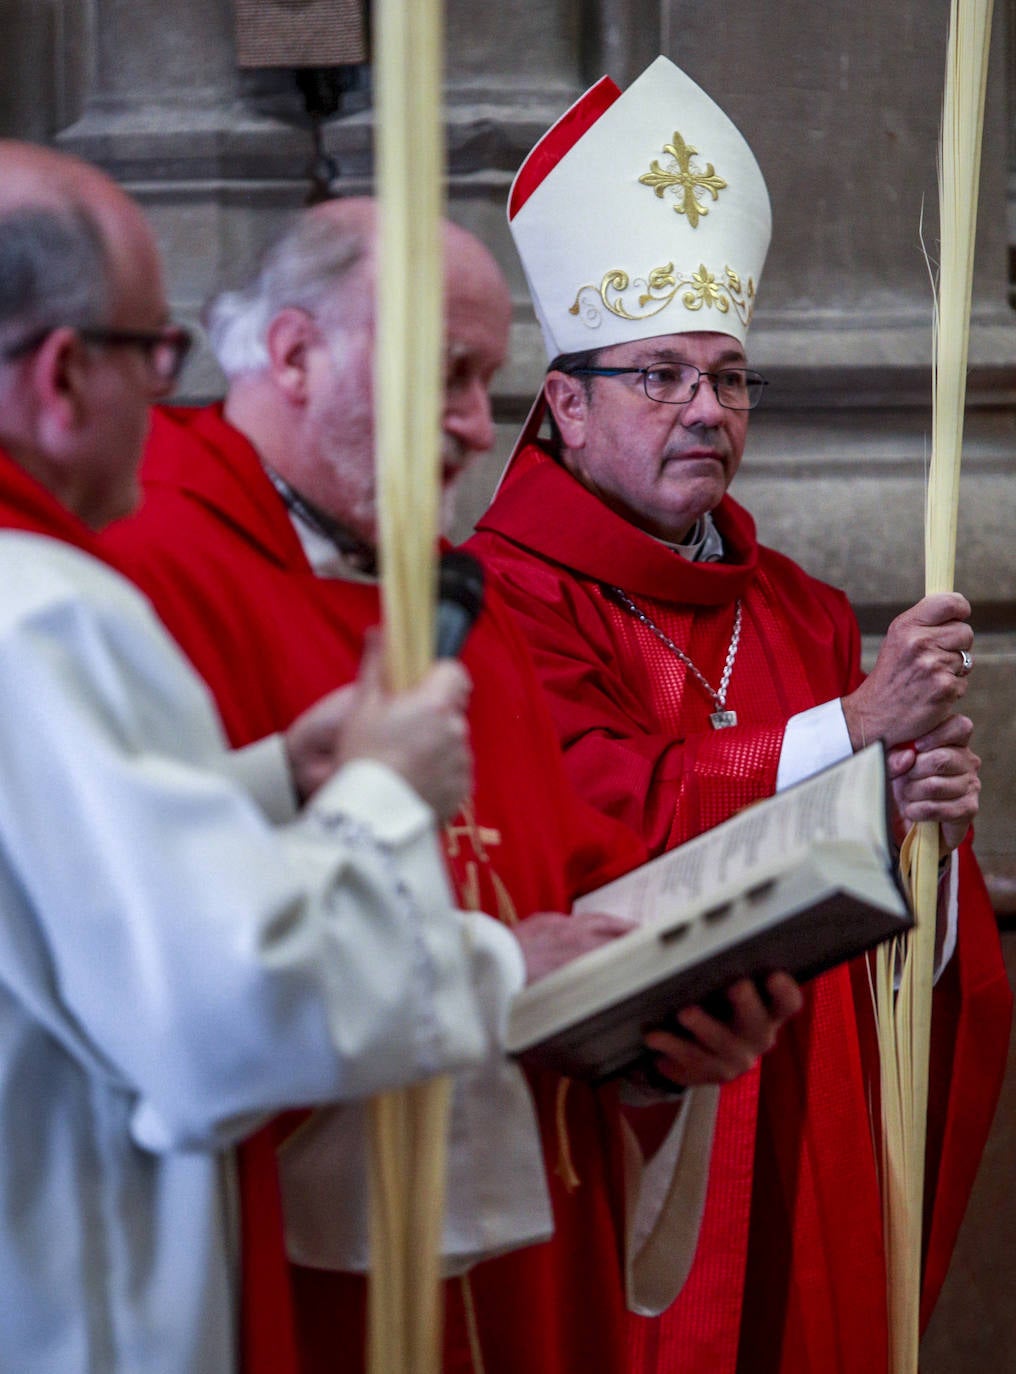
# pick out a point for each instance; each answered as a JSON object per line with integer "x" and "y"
{"x": 841, "y": 106}
{"x": 166, "y": 114}
{"x": 43, "y": 66}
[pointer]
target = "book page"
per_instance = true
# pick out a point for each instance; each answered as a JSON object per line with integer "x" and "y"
{"x": 845, "y": 802}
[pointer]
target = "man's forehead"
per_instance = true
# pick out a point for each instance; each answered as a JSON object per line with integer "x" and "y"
{"x": 483, "y": 349}
{"x": 676, "y": 348}
{"x": 477, "y": 318}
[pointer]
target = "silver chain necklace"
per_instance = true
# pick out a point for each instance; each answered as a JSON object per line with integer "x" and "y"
{"x": 721, "y": 718}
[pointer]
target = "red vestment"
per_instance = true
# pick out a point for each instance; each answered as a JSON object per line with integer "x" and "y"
{"x": 215, "y": 549}
{"x": 26, "y": 505}
{"x": 789, "y": 1273}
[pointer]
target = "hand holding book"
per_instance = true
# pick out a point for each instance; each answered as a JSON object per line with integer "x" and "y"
{"x": 798, "y": 882}
{"x": 718, "y": 1049}
{"x": 549, "y": 940}
{"x": 714, "y": 1043}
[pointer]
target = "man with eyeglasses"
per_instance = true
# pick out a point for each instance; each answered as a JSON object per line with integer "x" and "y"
{"x": 183, "y": 950}
{"x": 256, "y": 541}
{"x": 164, "y": 350}
{"x": 692, "y": 671}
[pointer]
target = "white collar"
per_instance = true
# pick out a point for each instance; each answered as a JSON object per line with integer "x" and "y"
{"x": 323, "y": 556}
{"x": 705, "y": 544}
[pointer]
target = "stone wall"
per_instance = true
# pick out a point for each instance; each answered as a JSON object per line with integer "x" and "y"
{"x": 843, "y": 117}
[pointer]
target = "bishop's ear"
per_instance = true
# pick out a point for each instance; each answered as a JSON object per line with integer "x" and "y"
{"x": 568, "y": 400}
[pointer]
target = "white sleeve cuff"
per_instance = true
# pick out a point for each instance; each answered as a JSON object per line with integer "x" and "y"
{"x": 813, "y": 740}
{"x": 375, "y": 795}
{"x": 262, "y": 770}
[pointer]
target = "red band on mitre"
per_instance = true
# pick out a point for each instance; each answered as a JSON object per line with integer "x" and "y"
{"x": 559, "y": 139}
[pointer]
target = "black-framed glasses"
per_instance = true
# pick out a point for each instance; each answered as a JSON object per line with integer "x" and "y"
{"x": 165, "y": 350}
{"x": 675, "y": 384}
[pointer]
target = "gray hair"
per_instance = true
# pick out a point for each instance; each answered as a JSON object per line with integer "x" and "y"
{"x": 54, "y": 270}
{"x": 306, "y": 269}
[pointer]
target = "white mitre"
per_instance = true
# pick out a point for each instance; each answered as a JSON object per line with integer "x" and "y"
{"x": 640, "y": 214}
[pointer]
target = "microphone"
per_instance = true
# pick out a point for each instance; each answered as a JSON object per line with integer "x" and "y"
{"x": 459, "y": 600}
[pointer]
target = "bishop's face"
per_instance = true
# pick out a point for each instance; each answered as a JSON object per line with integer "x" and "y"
{"x": 658, "y": 466}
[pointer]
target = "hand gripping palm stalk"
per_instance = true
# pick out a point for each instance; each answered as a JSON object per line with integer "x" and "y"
{"x": 904, "y": 1014}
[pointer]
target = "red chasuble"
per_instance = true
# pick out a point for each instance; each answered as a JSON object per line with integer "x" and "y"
{"x": 789, "y": 1275}
{"x": 215, "y": 549}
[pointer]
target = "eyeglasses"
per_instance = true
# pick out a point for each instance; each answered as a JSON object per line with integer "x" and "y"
{"x": 165, "y": 350}
{"x": 675, "y": 384}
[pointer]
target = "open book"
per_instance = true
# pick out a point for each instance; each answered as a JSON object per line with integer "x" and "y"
{"x": 801, "y": 881}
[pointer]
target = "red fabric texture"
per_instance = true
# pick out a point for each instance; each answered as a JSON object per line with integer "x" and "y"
{"x": 789, "y": 1274}
{"x": 29, "y": 507}
{"x": 559, "y": 139}
{"x": 215, "y": 549}
{"x": 267, "y": 1318}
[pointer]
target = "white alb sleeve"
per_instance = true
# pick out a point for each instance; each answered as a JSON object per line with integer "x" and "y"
{"x": 818, "y": 738}
{"x": 212, "y": 965}
{"x": 813, "y": 740}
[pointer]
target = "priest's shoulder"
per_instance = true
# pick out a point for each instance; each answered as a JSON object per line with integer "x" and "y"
{"x": 512, "y": 567}
{"x": 49, "y": 583}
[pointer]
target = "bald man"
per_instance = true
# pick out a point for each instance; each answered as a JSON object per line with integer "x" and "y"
{"x": 181, "y": 950}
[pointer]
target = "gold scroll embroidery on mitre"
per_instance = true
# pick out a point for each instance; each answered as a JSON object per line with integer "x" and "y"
{"x": 639, "y": 298}
{"x": 683, "y": 181}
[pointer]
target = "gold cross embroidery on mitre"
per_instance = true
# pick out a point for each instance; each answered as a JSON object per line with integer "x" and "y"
{"x": 683, "y": 181}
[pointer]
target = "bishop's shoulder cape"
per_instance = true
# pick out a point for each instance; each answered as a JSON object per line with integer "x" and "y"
{"x": 215, "y": 549}
{"x": 789, "y": 1274}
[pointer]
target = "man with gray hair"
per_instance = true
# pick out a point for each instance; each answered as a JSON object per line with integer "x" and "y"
{"x": 182, "y": 950}
{"x": 257, "y": 542}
